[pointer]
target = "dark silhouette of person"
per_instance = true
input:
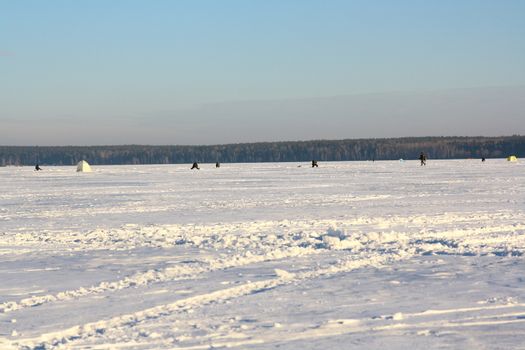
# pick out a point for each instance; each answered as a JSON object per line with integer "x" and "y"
{"x": 217, "y": 165}
{"x": 483, "y": 159}
{"x": 37, "y": 167}
{"x": 195, "y": 166}
{"x": 314, "y": 164}
{"x": 423, "y": 158}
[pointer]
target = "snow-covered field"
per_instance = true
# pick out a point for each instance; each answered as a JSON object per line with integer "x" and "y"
{"x": 350, "y": 255}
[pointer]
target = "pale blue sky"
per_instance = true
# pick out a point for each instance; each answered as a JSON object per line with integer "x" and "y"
{"x": 202, "y": 72}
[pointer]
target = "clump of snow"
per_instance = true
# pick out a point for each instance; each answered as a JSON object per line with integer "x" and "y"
{"x": 398, "y": 316}
{"x": 285, "y": 275}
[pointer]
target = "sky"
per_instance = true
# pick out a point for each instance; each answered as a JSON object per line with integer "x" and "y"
{"x": 101, "y": 72}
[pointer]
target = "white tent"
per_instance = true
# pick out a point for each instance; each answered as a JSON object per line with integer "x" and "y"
{"x": 83, "y": 166}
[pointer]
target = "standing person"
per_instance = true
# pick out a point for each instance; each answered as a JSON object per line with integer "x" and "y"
{"x": 195, "y": 166}
{"x": 423, "y": 158}
{"x": 217, "y": 165}
{"x": 314, "y": 164}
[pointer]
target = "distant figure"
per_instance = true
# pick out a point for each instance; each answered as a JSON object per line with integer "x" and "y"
{"x": 483, "y": 159}
{"x": 37, "y": 167}
{"x": 217, "y": 165}
{"x": 195, "y": 166}
{"x": 314, "y": 164}
{"x": 423, "y": 159}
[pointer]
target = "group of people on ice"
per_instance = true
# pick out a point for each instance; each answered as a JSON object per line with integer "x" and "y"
{"x": 195, "y": 165}
{"x": 422, "y": 158}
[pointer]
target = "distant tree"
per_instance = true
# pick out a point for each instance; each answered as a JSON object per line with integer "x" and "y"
{"x": 323, "y": 150}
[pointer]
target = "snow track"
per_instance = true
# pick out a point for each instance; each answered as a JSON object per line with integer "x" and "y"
{"x": 304, "y": 241}
{"x": 220, "y": 296}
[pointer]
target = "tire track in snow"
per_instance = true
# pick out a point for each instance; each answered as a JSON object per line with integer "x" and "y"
{"x": 155, "y": 276}
{"x": 94, "y": 329}
{"x": 472, "y": 241}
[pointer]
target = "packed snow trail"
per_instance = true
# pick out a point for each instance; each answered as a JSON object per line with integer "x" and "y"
{"x": 306, "y": 240}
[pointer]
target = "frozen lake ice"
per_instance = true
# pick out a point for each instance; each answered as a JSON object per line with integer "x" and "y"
{"x": 373, "y": 255}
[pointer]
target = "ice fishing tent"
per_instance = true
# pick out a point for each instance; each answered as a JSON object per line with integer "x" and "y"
{"x": 83, "y": 167}
{"x": 512, "y": 159}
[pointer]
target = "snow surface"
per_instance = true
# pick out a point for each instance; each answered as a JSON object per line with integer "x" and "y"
{"x": 258, "y": 256}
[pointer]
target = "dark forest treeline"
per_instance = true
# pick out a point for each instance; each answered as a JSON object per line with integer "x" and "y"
{"x": 323, "y": 150}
